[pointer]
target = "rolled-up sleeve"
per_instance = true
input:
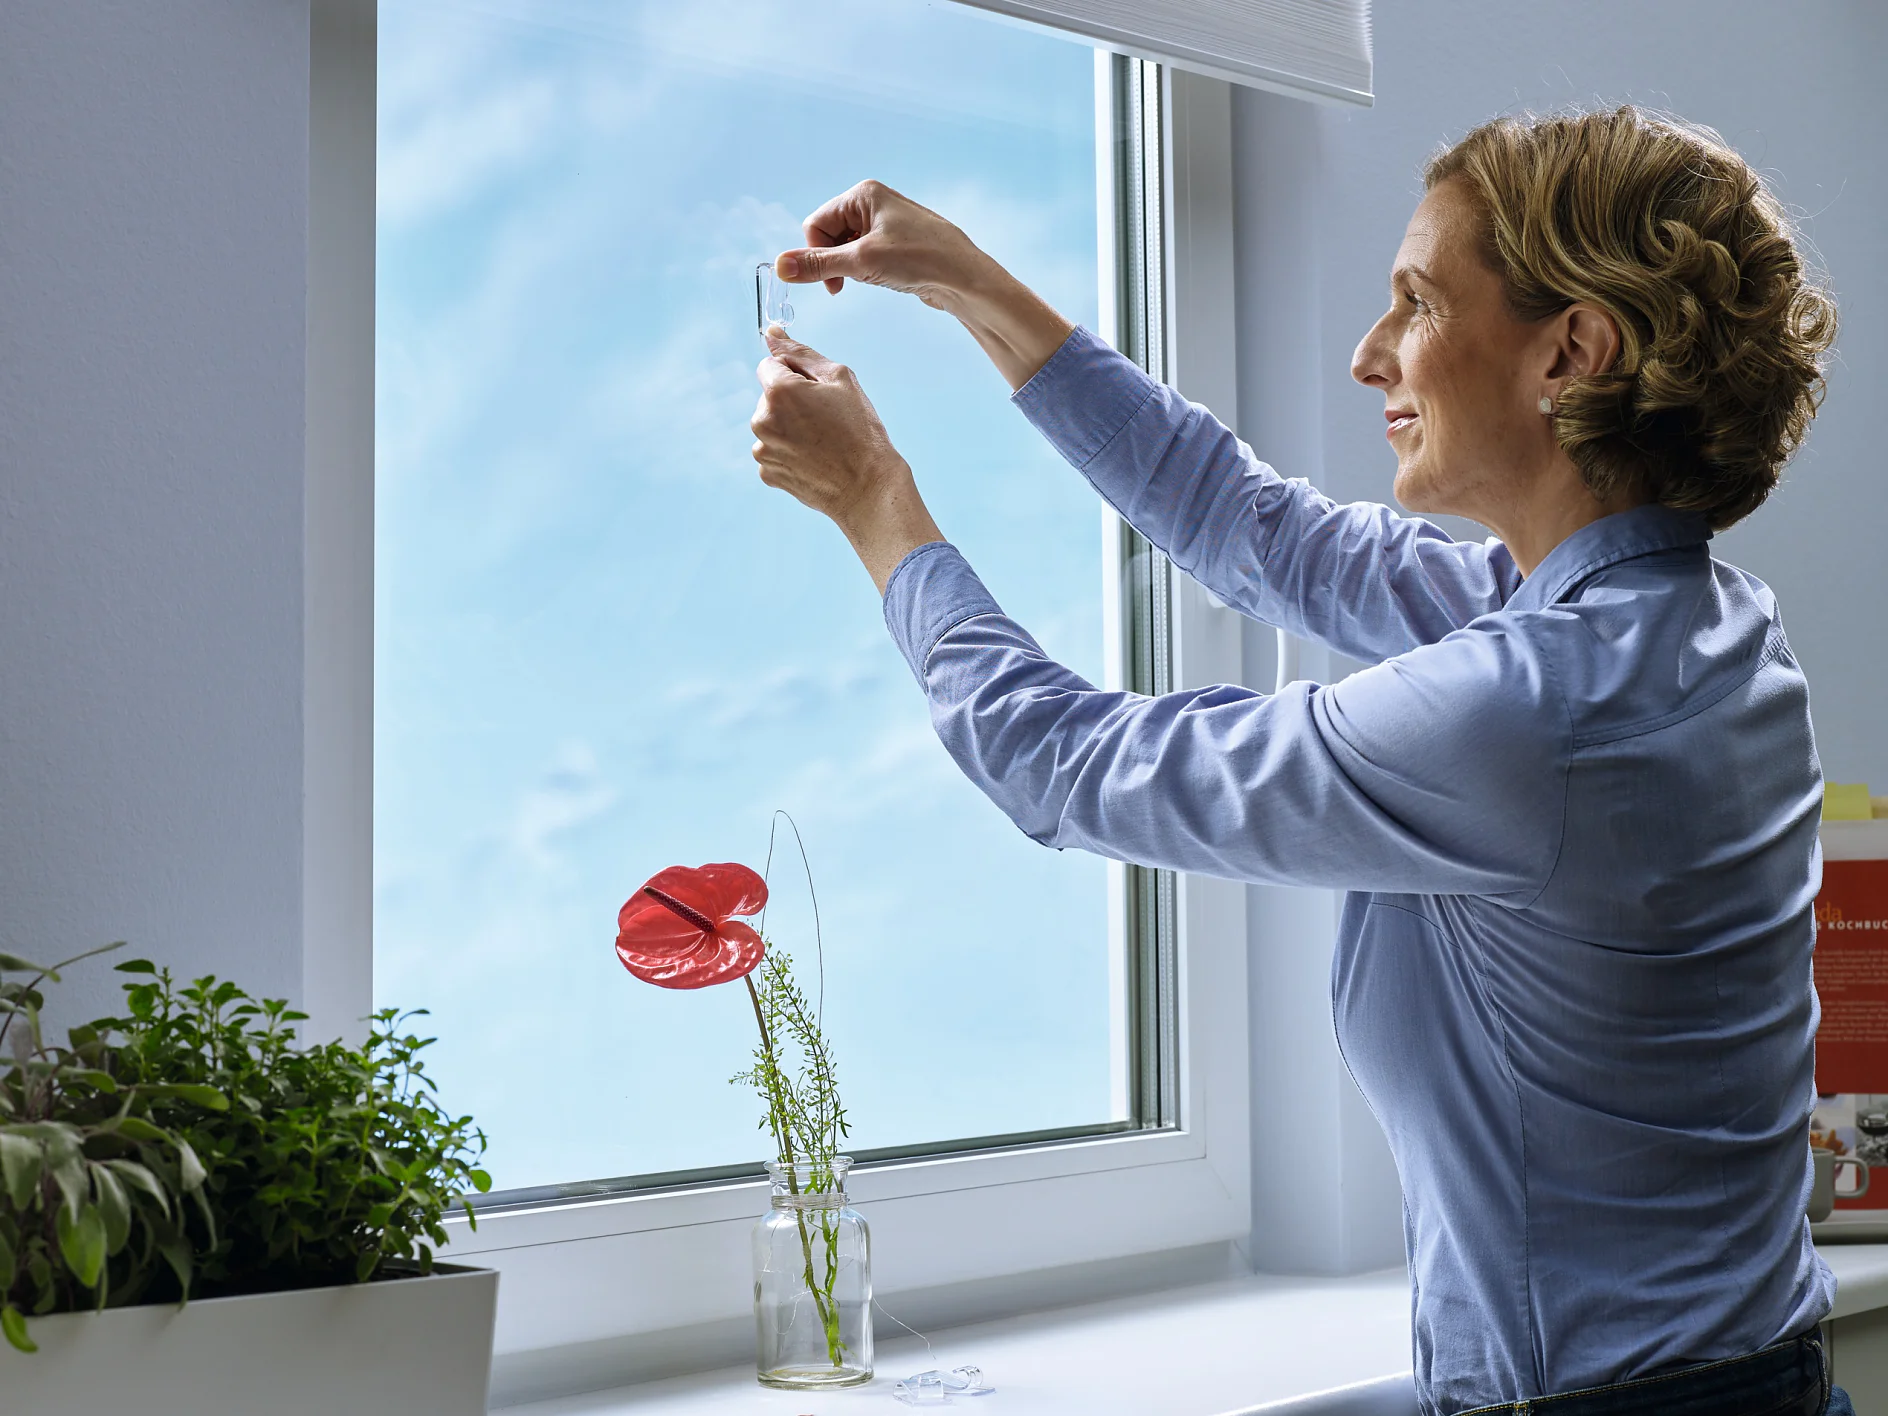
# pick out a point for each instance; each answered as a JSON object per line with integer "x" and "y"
{"x": 1357, "y": 577}
{"x": 1439, "y": 772}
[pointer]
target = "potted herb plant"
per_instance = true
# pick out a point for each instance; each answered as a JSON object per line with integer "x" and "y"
{"x": 200, "y": 1215}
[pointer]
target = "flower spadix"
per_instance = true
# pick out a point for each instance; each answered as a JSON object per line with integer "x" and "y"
{"x": 681, "y": 930}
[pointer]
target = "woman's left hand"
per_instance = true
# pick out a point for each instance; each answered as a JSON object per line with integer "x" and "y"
{"x": 818, "y": 437}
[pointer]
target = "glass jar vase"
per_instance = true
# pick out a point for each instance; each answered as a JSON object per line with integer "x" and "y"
{"x": 812, "y": 1281}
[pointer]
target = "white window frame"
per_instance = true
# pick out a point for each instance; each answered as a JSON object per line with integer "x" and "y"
{"x": 611, "y": 1289}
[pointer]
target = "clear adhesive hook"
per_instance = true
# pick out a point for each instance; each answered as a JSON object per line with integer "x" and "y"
{"x": 935, "y": 1388}
{"x": 772, "y": 305}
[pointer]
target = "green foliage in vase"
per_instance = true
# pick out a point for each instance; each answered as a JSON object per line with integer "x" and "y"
{"x": 799, "y": 1088}
{"x": 793, "y": 1072}
{"x": 191, "y": 1147}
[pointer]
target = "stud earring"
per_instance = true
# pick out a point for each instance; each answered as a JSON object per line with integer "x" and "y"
{"x": 1547, "y": 405}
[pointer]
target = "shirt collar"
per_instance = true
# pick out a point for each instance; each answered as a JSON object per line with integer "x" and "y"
{"x": 1641, "y": 531}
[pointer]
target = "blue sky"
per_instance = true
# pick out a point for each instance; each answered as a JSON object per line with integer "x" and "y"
{"x": 603, "y": 647}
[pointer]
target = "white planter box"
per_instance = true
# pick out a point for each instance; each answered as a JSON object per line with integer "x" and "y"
{"x": 416, "y": 1346}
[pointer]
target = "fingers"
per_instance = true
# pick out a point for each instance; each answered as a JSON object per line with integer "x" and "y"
{"x": 835, "y": 234}
{"x": 773, "y": 372}
{"x": 791, "y": 375}
{"x": 790, "y": 357}
{"x": 770, "y": 470}
{"x": 838, "y": 223}
{"x": 847, "y": 216}
{"x": 830, "y": 265}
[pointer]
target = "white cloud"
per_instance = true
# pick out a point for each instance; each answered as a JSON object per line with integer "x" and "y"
{"x": 947, "y": 67}
{"x": 680, "y": 407}
{"x": 570, "y": 794}
{"x": 458, "y": 146}
{"x": 1028, "y": 237}
{"x": 741, "y": 703}
{"x": 474, "y": 95}
{"x": 682, "y": 403}
{"x": 900, "y": 767}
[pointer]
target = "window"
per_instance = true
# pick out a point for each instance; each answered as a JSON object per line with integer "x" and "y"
{"x": 1156, "y": 1177}
{"x": 602, "y": 647}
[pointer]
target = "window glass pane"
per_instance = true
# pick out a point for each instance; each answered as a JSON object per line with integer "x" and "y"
{"x": 603, "y": 647}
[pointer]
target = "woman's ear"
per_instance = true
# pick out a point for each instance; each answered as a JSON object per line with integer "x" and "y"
{"x": 1588, "y": 342}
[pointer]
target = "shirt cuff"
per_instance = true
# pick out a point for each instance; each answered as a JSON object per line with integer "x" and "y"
{"x": 1084, "y": 396}
{"x": 932, "y": 591}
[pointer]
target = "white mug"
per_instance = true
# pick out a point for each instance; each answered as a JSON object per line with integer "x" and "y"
{"x": 1828, "y": 1186}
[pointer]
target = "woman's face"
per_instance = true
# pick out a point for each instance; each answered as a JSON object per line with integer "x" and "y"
{"x": 1461, "y": 375}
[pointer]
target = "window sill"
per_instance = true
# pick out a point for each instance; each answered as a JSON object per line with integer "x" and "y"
{"x": 1244, "y": 1345}
{"x": 1263, "y": 1344}
{"x": 1861, "y": 1272}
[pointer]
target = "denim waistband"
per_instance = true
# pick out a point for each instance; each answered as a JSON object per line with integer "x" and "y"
{"x": 1788, "y": 1378}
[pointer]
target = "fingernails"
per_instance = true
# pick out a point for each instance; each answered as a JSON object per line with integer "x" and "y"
{"x": 789, "y": 267}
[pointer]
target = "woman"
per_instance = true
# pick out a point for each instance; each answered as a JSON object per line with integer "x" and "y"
{"x": 1575, "y": 796}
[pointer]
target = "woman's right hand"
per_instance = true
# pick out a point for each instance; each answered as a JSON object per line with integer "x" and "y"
{"x": 872, "y": 234}
{"x": 881, "y": 237}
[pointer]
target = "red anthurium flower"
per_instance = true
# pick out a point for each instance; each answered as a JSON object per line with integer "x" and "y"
{"x": 680, "y": 930}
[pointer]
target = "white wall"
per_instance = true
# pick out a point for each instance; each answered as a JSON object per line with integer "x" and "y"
{"x": 1323, "y": 197}
{"x": 153, "y": 218}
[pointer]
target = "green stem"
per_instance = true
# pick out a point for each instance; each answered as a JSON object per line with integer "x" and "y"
{"x": 777, "y": 1111}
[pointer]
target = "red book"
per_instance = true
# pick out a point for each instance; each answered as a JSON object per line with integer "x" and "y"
{"x": 1851, "y": 964}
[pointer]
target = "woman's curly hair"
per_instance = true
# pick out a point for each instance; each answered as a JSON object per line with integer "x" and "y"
{"x": 1722, "y": 326}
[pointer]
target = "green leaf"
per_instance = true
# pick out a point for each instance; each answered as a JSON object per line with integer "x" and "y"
{"x": 135, "y": 1128}
{"x": 202, "y": 1095}
{"x": 21, "y": 1161}
{"x": 13, "y": 1324}
{"x": 88, "y": 954}
{"x": 68, "y": 1173}
{"x": 13, "y": 963}
{"x": 365, "y": 1265}
{"x": 202, "y": 1197}
{"x": 82, "y": 1241}
{"x": 8, "y": 1267}
{"x": 176, "y": 1252}
{"x": 97, "y": 1080}
{"x": 189, "y": 1166}
{"x": 140, "y": 1178}
{"x": 135, "y": 966}
{"x": 481, "y": 1181}
{"x": 114, "y": 1207}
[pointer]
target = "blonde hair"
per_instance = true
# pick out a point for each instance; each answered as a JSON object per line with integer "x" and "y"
{"x": 1722, "y": 327}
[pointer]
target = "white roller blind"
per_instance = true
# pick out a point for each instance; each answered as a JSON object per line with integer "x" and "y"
{"x": 1319, "y": 48}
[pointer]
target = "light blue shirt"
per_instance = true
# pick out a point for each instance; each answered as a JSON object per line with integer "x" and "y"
{"x": 1577, "y": 816}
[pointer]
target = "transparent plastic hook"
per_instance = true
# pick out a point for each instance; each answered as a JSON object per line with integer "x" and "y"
{"x": 772, "y": 305}
{"x": 935, "y": 1388}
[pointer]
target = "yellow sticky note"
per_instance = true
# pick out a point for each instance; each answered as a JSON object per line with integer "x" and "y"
{"x": 1845, "y": 801}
